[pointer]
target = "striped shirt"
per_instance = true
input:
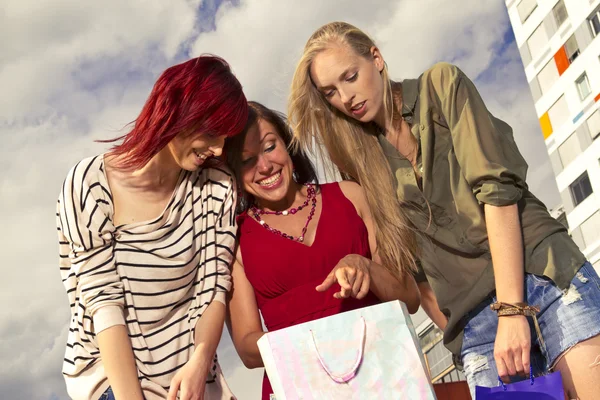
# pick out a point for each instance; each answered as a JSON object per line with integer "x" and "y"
{"x": 156, "y": 277}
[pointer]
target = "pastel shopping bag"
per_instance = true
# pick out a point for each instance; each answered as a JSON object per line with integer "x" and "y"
{"x": 369, "y": 353}
{"x": 547, "y": 387}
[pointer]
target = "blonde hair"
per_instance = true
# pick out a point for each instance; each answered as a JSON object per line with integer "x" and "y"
{"x": 353, "y": 146}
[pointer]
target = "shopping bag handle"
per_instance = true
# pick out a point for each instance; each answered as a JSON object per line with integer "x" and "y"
{"x": 530, "y": 378}
{"x": 352, "y": 373}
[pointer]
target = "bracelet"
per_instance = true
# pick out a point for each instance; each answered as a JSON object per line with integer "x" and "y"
{"x": 508, "y": 309}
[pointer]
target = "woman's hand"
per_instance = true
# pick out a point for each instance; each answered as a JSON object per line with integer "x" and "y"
{"x": 190, "y": 380}
{"x": 352, "y": 274}
{"x": 512, "y": 347}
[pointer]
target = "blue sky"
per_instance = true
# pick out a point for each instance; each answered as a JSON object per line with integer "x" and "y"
{"x": 73, "y": 72}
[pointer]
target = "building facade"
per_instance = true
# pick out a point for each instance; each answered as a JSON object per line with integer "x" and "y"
{"x": 448, "y": 382}
{"x": 559, "y": 42}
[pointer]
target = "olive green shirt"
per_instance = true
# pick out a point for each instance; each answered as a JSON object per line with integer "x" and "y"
{"x": 468, "y": 158}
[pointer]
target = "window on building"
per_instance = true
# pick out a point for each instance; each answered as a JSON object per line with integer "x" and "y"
{"x": 560, "y": 13}
{"x": 572, "y": 48}
{"x": 559, "y": 113}
{"x": 537, "y": 42}
{"x": 569, "y": 150}
{"x": 593, "y": 124}
{"x": 594, "y": 21}
{"x": 437, "y": 358}
{"x": 583, "y": 86}
{"x": 548, "y": 76}
{"x": 430, "y": 337}
{"x": 580, "y": 189}
{"x": 525, "y": 8}
{"x": 590, "y": 228}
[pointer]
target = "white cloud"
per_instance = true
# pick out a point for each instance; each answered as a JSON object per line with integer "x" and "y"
{"x": 72, "y": 72}
{"x": 50, "y": 39}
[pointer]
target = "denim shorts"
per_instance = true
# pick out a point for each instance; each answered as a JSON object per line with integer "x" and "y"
{"x": 565, "y": 318}
{"x": 108, "y": 395}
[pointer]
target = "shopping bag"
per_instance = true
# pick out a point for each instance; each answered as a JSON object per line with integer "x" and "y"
{"x": 368, "y": 353}
{"x": 546, "y": 387}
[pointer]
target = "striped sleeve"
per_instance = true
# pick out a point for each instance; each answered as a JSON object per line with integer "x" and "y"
{"x": 225, "y": 232}
{"x": 86, "y": 237}
{"x": 214, "y": 274}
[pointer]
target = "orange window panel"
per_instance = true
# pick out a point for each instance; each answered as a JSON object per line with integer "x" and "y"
{"x": 561, "y": 60}
{"x": 546, "y": 125}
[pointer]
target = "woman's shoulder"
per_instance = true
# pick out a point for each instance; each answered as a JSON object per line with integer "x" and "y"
{"x": 441, "y": 76}
{"x": 245, "y": 226}
{"x": 242, "y": 218}
{"x": 351, "y": 189}
{"x": 354, "y": 193}
{"x": 214, "y": 174}
{"x": 85, "y": 173}
{"x": 442, "y": 70}
{"x": 216, "y": 180}
{"x": 347, "y": 185}
{"x": 85, "y": 198}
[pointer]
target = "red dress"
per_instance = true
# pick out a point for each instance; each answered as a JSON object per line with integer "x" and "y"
{"x": 284, "y": 273}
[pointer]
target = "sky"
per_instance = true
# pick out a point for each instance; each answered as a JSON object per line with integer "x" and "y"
{"x": 72, "y": 72}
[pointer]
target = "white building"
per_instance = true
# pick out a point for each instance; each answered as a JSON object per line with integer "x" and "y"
{"x": 559, "y": 42}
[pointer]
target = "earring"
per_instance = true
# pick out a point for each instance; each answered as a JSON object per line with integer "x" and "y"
{"x": 242, "y": 201}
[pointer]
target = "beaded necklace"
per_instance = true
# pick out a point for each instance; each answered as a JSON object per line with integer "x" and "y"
{"x": 311, "y": 197}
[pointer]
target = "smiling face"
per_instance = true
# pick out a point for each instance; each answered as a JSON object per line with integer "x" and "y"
{"x": 350, "y": 82}
{"x": 266, "y": 171}
{"x": 190, "y": 151}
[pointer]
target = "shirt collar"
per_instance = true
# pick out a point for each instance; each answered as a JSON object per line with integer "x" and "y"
{"x": 410, "y": 95}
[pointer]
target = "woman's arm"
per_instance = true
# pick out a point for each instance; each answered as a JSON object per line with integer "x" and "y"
{"x": 207, "y": 339}
{"x": 190, "y": 380}
{"x": 495, "y": 170}
{"x": 90, "y": 277}
{"x": 430, "y": 305}
{"x": 513, "y": 340}
{"x": 385, "y": 285}
{"x": 243, "y": 319}
{"x": 119, "y": 363}
{"x": 207, "y": 316}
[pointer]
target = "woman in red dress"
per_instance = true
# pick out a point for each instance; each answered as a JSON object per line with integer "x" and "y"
{"x": 306, "y": 251}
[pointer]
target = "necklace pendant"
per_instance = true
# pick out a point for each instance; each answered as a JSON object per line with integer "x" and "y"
{"x": 262, "y": 222}
{"x": 301, "y": 239}
{"x": 284, "y": 212}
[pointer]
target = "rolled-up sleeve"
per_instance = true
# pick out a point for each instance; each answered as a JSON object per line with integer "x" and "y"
{"x": 86, "y": 252}
{"x": 225, "y": 232}
{"x": 484, "y": 146}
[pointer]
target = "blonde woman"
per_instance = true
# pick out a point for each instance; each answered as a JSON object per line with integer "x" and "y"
{"x": 428, "y": 148}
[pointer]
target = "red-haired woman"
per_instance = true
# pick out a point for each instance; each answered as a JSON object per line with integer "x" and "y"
{"x": 147, "y": 233}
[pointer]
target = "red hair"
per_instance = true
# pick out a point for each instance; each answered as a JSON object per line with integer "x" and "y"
{"x": 198, "y": 96}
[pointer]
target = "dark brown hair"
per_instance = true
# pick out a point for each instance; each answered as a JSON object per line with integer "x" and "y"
{"x": 304, "y": 171}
